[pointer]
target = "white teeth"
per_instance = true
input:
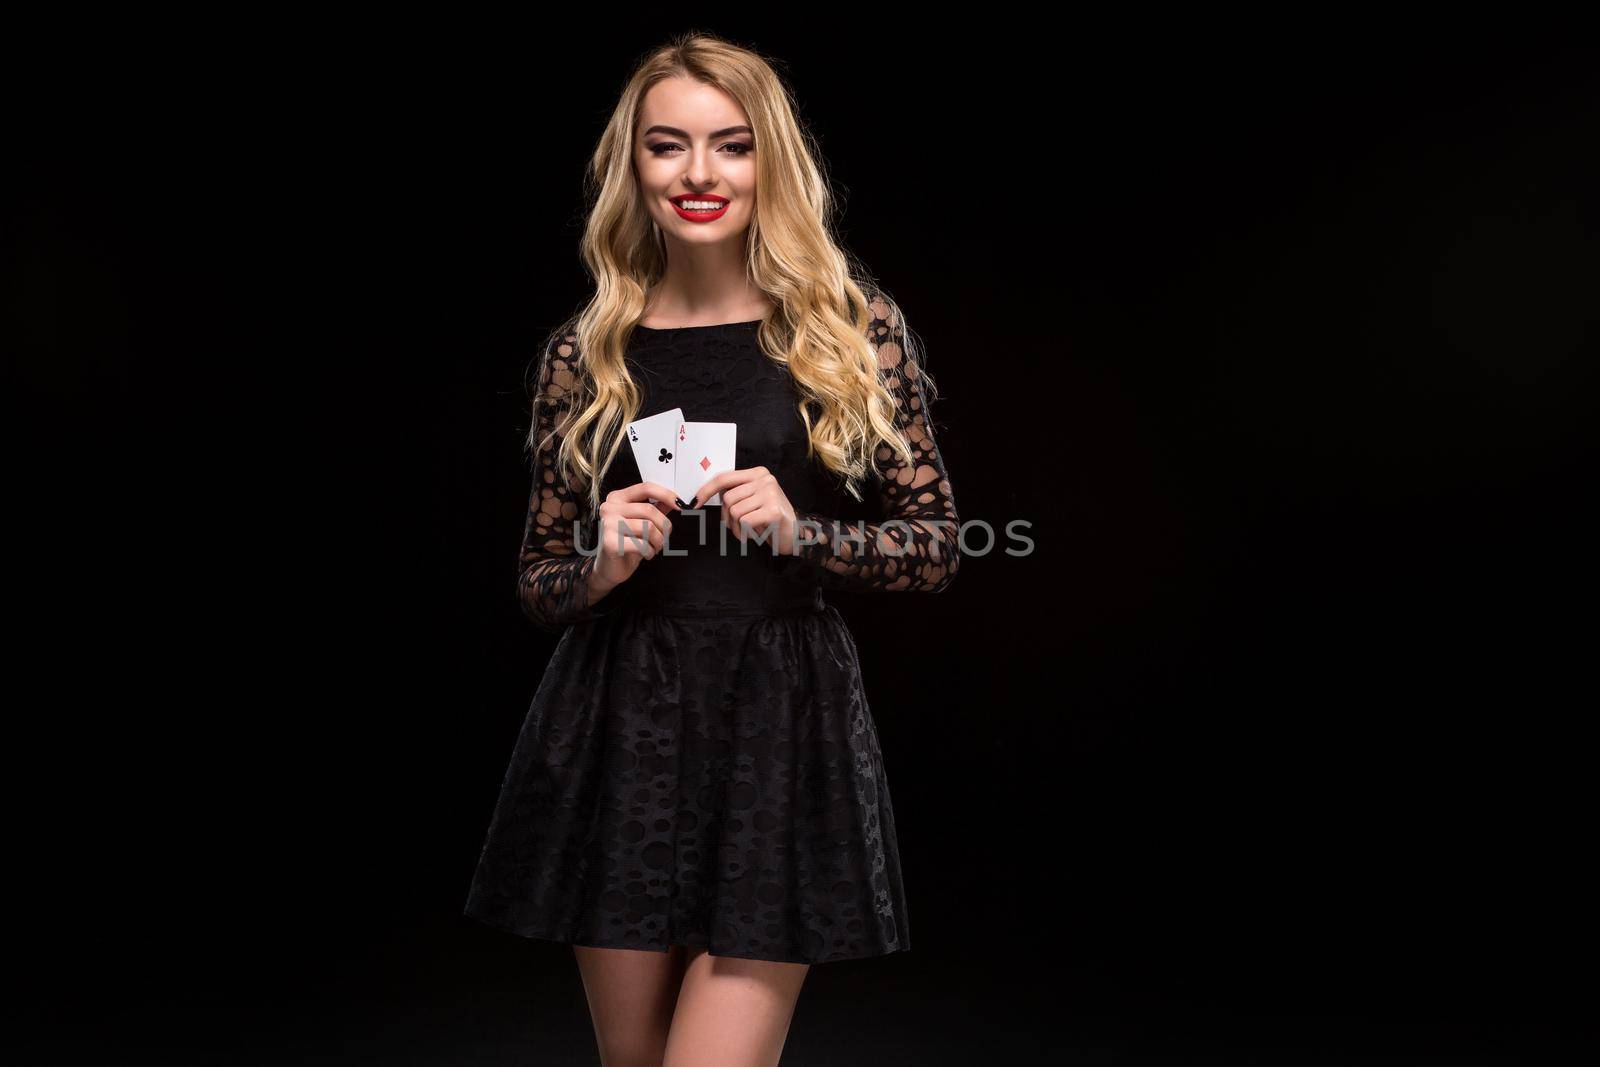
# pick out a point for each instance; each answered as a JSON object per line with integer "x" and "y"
{"x": 700, "y": 205}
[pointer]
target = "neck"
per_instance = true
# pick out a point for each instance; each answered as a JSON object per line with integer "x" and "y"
{"x": 706, "y": 283}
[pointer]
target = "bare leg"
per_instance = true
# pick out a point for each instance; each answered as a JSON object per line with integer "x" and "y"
{"x": 733, "y": 1012}
{"x": 631, "y": 994}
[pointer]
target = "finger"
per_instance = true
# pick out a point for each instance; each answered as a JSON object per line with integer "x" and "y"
{"x": 760, "y": 517}
{"x": 650, "y": 491}
{"x": 752, "y": 520}
{"x": 706, "y": 491}
{"x": 627, "y": 531}
{"x": 644, "y": 542}
{"x": 739, "y": 520}
{"x": 630, "y": 515}
{"x": 738, "y": 493}
{"x": 650, "y": 512}
{"x": 652, "y": 547}
{"x": 717, "y": 483}
{"x": 639, "y": 516}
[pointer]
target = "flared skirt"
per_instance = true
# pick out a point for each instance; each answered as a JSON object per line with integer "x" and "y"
{"x": 708, "y": 781}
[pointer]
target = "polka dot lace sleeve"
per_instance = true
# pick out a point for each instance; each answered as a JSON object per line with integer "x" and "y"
{"x": 552, "y": 575}
{"x": 915, "y": 548}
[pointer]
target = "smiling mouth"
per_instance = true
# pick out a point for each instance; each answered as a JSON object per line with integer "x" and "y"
{"x": 691, "y": 204}
{"x": 700, "y": 209}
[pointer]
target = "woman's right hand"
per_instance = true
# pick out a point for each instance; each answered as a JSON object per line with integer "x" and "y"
{"x": 633, "y": 527}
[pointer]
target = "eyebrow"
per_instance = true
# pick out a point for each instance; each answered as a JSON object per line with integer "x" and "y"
{"x": 674, "y": 131}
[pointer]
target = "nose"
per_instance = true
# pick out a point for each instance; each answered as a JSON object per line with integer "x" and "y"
{"x": 697, "y": 171}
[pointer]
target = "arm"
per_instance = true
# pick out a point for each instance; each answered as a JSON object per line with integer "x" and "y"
{"x": 915, "y": 548}
{"x": 554, "y": 582}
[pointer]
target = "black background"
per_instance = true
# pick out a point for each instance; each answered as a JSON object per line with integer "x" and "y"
{"x": 1280, "y": 336}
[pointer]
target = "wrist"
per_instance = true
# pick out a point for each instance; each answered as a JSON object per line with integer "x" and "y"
{"x": 810, "y": 530}
{"x": 598, "y": 586}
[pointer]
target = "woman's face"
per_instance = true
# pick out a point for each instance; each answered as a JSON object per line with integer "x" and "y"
{"x": 695, "y": 148}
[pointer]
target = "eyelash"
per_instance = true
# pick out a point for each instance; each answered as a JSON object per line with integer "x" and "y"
{"x": 660, "y": 149}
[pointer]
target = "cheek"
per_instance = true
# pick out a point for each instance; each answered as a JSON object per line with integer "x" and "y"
{"x": 653, "y": 172}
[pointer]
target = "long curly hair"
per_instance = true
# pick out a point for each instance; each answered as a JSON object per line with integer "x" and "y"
{"x": 825, "y": 298}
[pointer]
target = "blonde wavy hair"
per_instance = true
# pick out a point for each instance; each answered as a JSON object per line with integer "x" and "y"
{"x": 825, "y": 298}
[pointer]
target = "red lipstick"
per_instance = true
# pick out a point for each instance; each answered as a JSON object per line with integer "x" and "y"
{"x": 704, "y": 198}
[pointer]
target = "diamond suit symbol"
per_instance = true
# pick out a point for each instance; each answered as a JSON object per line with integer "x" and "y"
{"x": 705, "y": 463}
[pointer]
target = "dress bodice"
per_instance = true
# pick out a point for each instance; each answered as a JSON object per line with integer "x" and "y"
{"x": 720, "y": 373}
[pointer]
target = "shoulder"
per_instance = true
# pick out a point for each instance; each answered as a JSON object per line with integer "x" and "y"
{"x": 886, "y": 330}
{"x": 562, "y": 342}
{"x": 557, "y": 363}
{"x": 887, "y": 334}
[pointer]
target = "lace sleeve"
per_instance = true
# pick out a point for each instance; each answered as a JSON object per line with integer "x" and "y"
{"x": 915, "y": 548}
{"x": 552, "y": 575}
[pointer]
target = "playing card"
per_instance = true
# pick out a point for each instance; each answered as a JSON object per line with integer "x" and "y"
{"x": 704, "y": 450}
{"x": 655, "y": 447}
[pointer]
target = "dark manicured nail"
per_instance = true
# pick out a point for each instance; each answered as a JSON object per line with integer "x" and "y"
{"x": 694, "y": 503}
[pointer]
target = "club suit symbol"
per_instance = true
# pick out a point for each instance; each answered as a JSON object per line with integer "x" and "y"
{"x": 665, "y": 457}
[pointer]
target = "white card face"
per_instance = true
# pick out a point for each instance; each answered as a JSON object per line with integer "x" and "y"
{"x": 655, "y": 447}
{"x": 705, "y": 450}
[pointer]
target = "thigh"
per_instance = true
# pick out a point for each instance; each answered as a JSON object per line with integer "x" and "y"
{"x": 631, "y": 993}
{"x": 733, "y": 1012}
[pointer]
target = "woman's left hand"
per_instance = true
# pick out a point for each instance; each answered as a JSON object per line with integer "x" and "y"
{"x": 753, "y": 503}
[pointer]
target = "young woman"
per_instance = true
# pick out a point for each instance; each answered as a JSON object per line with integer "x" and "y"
{"x": 697, "y": 801}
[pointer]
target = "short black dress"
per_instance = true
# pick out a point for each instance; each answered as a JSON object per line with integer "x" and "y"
{"x": 699, "y": 765}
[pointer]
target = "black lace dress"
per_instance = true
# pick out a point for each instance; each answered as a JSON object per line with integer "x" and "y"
{"x": 699, "y": 765}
